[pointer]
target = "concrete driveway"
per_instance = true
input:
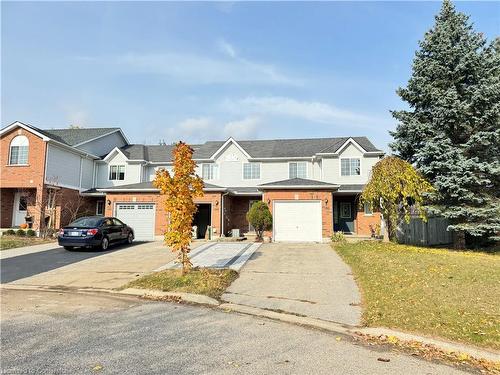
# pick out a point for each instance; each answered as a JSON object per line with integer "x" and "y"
{"x": 51, "y": 265}
{"x": 304, "y": 279}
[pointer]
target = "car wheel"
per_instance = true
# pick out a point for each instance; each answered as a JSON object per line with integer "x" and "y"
{"x": 69, "y": 248}
{"x": 105, "y": 243}
{"x": 130, "y": 237}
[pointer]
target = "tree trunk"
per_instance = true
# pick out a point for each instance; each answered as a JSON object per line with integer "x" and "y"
{"x": 459, "y": 240}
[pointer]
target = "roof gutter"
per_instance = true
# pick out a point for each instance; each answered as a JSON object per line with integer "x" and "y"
{"x": 295, "y": 187}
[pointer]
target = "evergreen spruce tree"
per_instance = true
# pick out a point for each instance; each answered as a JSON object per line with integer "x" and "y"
{"x": 451, "y": 133}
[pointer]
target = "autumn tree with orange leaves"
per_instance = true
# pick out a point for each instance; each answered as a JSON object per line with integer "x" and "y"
{"x": 180, "y": 190}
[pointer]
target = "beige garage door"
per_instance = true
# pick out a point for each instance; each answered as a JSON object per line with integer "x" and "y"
{"x": 297, "y": 221}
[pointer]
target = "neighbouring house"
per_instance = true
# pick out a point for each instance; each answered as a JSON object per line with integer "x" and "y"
{"x": 311, "y": 185}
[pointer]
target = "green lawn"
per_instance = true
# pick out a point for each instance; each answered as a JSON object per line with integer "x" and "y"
{"x": 209, "y": 282}
{"x": 437, "y": 292}
{"x": 11, "y": 242}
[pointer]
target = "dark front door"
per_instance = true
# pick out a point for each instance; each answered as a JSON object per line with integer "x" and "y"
{"x": 344, "y": 216}
{"x": 202, "y": 220}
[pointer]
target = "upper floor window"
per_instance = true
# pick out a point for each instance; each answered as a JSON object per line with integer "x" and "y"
{"x": 117, "y": 172}
{"x": 209, "y": 171}
{"x": 350, "y": 167}
{"x": 297, "y": 170}
{"x": 367, "y": 209}
{"x": 251, "y": 171}
{"x": 19, "y": 150}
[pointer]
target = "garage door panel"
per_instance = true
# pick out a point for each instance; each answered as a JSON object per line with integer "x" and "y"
{"x": 140, "y": 217}
{"x": 297, "y": 221}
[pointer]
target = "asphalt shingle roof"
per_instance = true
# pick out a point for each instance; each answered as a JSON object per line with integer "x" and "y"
{"x": 297, "y": 182}
{"x": 352, "y": 187}
{"x": 274, "y": 148}
{"x": 75, "y": 136}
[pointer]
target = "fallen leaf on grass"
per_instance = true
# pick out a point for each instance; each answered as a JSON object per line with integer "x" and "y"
{"x": 97, "y": 367}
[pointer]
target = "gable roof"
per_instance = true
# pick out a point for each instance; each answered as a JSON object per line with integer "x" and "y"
{"x": 67, "y": 136}
{"x": 74, "y": 137}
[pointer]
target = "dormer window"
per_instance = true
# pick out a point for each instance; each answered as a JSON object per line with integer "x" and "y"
{"x": 19, "y": 150}
{"x": 209, "y": 171}
{"x": 116, "y": 172}
{"x": 350, "y": 167}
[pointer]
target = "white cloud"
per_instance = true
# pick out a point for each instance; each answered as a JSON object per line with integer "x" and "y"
{"x": 242, "y": 129}
{"x": 199, "y": 69}
{"x": 201, "y": 129}
{"x": 313, "y": 111}
{"x": 226, "y": 48}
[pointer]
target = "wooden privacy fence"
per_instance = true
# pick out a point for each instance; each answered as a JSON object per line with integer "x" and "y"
{"x": 420, "y": 233}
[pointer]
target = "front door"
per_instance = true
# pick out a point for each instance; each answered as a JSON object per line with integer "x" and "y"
{"x": 20, "y": 209}
{"x": 346, "y": 217}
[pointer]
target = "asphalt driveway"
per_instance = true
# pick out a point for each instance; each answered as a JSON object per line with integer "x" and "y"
{"x": 304, "y": 279}
{"x": 51, "y": 265}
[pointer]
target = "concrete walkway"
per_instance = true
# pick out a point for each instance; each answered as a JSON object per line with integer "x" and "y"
{"x": 219, "y": 255}
{"x": 303, "y": 279}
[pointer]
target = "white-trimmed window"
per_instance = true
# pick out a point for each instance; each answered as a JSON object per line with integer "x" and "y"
{"x": 297, "y": 169}
{"x": 19, "y": 147}
{"x": 368, "y": 210}
{"x": 117, "y": 172}
{"x": 350, "y": 167}
{"x": 99, "y": 208}
{"x": 209, "y": 171}
{"x": 251, "y": 171}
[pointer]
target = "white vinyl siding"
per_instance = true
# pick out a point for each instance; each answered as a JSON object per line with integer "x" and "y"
{"x": 63, "y": 167}
{"x": 350, "y": 167}
{"x": 297, "y": 170}
{"x": 19, "y": 148}
{"x": 209, "y": 171}
{"x": 251, "y": 171}
{"x": 87, "y": 173}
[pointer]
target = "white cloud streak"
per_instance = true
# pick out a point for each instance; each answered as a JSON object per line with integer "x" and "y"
{"x": 199, "y": 69}
{"x": 314, "y": 111}
{"x": 201, "y": 129}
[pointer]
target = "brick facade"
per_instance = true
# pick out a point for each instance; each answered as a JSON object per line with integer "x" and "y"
{"x": 326, "y": 204}
{"x": 161, "y": 216}
{"x": 363, "y": 222}
{"x": 30, "y": 180}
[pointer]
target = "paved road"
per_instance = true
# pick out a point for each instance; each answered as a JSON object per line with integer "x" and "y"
{"x": 64, "y": 333}
{"x": 307, "y": 279}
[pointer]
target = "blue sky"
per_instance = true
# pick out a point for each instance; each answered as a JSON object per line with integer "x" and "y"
{"x": 198, "y": 71}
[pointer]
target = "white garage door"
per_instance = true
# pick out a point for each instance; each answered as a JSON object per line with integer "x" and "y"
{"x": 297, "y": 221}
{"x": 140, "y": 217}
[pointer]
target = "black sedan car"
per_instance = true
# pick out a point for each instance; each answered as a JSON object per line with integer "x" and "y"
{"x": 94, "y": 231}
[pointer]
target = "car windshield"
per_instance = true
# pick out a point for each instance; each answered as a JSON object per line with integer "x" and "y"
{"x": 86, "y": 222}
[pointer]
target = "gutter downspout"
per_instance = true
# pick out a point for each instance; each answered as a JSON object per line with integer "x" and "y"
{"x": 222, "y": 214}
